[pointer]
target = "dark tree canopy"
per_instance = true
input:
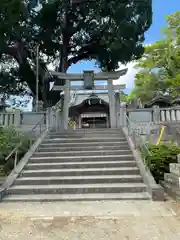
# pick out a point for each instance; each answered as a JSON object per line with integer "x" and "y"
{"x": 106, "y": 31}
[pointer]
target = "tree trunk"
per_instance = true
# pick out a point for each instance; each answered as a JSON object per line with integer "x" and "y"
{"x": 28, "y": 75}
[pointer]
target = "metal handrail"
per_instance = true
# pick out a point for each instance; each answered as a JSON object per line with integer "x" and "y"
{"x": 15, "y": 150}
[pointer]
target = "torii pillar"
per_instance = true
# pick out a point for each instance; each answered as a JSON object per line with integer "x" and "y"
{"x": 112, "y": 104}
{"x": 89, "y": 77}
{"x": 66, "y": 104}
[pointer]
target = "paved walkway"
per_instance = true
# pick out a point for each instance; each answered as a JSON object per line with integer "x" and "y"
{"x": 135, "y": 220}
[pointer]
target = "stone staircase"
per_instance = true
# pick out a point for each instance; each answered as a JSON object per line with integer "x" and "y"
{"x": 83, "y": 164}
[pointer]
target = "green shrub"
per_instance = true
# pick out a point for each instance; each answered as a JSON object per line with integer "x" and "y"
{"x": 9, "y": 139}
{"x": 161, "y": 157}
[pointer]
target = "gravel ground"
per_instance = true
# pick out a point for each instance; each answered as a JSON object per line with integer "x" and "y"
{"x": 90, "y": 220}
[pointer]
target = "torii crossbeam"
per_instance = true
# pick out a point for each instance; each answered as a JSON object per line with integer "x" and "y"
{"x": 88, "y": 77}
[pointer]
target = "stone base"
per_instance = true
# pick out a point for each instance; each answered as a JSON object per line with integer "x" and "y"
{"x": 175, "y": 168}
{"x": 171, "y": 190}
{"x": 178, "y": 158}
{"x": 172, "y": 179}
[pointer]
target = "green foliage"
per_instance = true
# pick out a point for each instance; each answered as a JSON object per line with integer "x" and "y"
{"x": 123, "y": 97}
{"x": 9, "y": 139}
{"x": 71, "y": 123}
{"x": 160, "y": 65}
{"x": 107, "y": 31}
{"x": 148, "y": 84}
{"x": 161, "y": 157}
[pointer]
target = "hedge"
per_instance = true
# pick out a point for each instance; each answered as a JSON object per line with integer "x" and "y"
{"x": 9, "y": 139}
{"x": 161, "y": 157}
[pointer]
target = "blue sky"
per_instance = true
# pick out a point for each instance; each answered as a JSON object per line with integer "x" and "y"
{"x": 161, "y": 8}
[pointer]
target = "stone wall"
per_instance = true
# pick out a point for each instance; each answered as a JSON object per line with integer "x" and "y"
{"x": 154, "y": 114}
{"x": 171, "y": 181}
{"x": 25, "y": 121}
{"x": 31, "y": 118}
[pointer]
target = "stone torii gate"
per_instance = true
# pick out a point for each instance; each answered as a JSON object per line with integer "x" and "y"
{"x": 89, "y": 77}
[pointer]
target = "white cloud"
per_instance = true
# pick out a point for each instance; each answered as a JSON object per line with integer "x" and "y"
{"x": 127, "y": 79}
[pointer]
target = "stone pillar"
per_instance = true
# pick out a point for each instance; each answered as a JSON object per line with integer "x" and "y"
{"x": 17, "y": 118}
{"x": 52, "y": 118}
{"x": 48, "y": 114}
{"x": 66, "y": 105}
{"x": 122, "y": 112}
{"x": 112, "y": 110}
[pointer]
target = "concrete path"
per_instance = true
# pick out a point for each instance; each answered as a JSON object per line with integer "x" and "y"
{"x": 90, "y": 220}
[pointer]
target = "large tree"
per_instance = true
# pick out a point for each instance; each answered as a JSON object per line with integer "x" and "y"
{"x": 106, "y": 31}
{"x": 147, "y": 85}
{"x": 160, "y": 64}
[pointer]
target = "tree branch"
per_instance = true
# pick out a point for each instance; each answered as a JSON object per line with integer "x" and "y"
{"x": 75, "y": 59}
{"x": 84, "y": 52}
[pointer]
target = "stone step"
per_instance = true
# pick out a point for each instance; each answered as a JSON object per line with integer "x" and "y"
{"x": 76, "y": 197}
{"x": 83, "y": 144}
{"x": 84, "y": 148}
{"x": 88, "y": 135}
{"x": 81, "y": 172}
{"x": 79, "y": 179}
{"x": 82, "y": 140}
{"x": 82, "y": 135}
{"x": 82, "y": 153}
{"x": 50, "y": 159}
{"x": 88, "y": 130}
{"x": 74, "y": 165}
{"x": 78, "y": 189}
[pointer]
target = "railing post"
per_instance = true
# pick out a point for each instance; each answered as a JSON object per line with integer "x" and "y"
{"x": 17, "y": 118}
{"x": 11, "y": 119}
{"x": 156, "y": 114}
{"x": 178, "y": 113}
{"x": 6, "y": 119}
{"x": 173, "y": 115}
